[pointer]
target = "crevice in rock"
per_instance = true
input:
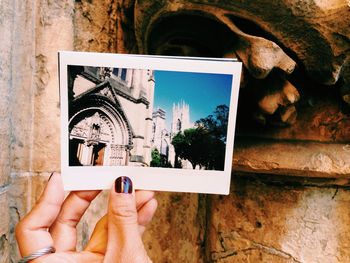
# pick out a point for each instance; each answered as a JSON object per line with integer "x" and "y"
{"x": 17, "y": 213}
{"x": 4, "y": 188}
{"x": 335, "y": 193}
{"x": 203, "y": 222}
{"x": 3, "y": 241}
{"x": 293, "y": 181}
{"x": 226, "y": 240}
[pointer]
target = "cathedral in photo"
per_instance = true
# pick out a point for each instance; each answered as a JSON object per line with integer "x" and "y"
{"x": 162, "y": 137}
{"x": 110, "y": 116}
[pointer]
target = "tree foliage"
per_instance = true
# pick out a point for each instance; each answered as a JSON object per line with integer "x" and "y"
{"x": 159, "y": 160}
{"x": 155, "y": 158}
{"x": 205, "y": 144}
{"x": 188, "y": 145}
{"x": 216, "y": 123}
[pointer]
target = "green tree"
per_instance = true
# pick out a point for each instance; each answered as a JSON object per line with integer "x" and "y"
{"x": 189, "y": 146}
{"x": 155, "y": 158}
{"x": 204, "y": 145}
{"x": 159, "y": 160}
{"x": 179, "y": 145}
{"x": 216, "y": 123}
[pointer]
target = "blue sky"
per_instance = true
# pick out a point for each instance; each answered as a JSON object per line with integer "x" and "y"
{"x": 201, "y": 91}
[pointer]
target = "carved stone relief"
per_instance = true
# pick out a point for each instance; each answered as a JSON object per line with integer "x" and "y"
{"x": 294, "y": 52}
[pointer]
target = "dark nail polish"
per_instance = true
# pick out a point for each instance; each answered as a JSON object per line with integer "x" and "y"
{"x": 123, "y": 184}
{"x": 50, "y": 177}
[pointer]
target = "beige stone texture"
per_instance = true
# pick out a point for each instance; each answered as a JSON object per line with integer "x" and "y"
{"x": 54, "y": 32}
{"x": 22, "y": 101}
{"x": 270, "y": 223}
{"x": 313, "y": 31}
{"x": 305, "y": 159}
{"x": 177, "y": 229}
{"x": 95, "y": 26}
{"x": 319, "y": 119}
{"x": 4, "y": 227}
{"x": 6, "y": 29}
{"x": 6, "y": 24}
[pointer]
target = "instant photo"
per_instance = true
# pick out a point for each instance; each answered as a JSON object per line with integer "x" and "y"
{"x": 166, "y": 122}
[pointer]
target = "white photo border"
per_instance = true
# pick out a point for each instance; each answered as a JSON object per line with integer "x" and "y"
{"x": 148, "y": 178}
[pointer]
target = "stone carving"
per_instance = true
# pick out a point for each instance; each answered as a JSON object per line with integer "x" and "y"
{"x": 108, "y": 93}
{"x": 277, "y": 43}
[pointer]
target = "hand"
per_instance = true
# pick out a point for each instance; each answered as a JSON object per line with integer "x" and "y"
{"x": 116, "y": 237}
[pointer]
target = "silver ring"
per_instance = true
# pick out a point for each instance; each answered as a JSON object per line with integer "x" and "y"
{"x": 37, "y": 254}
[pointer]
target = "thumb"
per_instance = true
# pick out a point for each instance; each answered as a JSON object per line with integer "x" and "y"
{"x": 124, "y": 239}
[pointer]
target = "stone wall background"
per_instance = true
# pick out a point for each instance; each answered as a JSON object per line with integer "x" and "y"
{"x": 289, "y": 201}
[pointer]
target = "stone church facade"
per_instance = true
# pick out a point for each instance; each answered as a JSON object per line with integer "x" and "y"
{"x": 109, "y": 116}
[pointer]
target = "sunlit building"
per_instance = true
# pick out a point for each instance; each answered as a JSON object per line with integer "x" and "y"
{"x": 110, "y": 116}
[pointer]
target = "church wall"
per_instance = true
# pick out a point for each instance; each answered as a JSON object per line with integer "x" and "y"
{"x": 136, "y": 114}
{"x": 6, "y": 29}
{"x": 81, "y": 85}
{"x": 274, "y": 218}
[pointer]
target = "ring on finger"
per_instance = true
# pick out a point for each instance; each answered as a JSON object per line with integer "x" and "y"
{"x": 37, "y": 254}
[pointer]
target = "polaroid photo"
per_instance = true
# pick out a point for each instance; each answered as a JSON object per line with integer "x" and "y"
{"x": 166, "y": 122}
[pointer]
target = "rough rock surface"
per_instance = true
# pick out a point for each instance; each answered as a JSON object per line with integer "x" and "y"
{"x": 179, "y": 225}
{"x": 278, "y": 224}
{"x": 311, "y": 30}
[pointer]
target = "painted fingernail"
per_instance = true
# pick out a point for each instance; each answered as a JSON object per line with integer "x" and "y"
{"x": 50, "y": 177}
{"x": 123, "y": 184}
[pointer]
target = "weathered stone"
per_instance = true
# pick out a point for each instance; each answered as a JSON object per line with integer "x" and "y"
{"x": 54, "y": 33}
{"x": 95, "y": 26}
{"x": 22, "y": 102}
{"x": 176, "y": 233}
{"x": 284, "y": 97}
{"x": 345, "y": 85}
{"x": 4, "y": 226}
{"x": 266, "y": 37}
{"x": 6, "y": 30}
{"x": 260, "y": 56}
{"x": 267, "y": 223}
{"x": 6, "y": 26}
{"x": 314, "y": 32}
{"x": 292, "y": 158}
{"x": 319, "y": 119}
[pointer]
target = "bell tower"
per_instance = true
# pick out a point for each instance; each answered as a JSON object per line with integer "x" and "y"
{"x": 181, "y": 117}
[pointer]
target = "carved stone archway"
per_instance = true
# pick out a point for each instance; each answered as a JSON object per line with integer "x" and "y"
{"x": 99, "y": 133}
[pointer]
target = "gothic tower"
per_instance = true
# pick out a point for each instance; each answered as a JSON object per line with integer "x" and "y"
{"x": 181, "y": 117}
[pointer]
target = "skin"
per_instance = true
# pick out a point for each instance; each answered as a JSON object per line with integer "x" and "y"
{"x": 116, "y": 237}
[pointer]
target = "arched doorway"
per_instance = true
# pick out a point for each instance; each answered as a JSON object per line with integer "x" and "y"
{"x": 98, "y": 135}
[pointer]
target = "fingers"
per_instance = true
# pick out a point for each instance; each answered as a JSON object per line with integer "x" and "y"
{"x": 124, "y": 239}
{"x": 31, "y": 232}
{"x": 98, "y": 241}
{"x": 142, "y": 197}
{"x": 63, "y": 230}
{"x": 145, "y": 214}
{"x": 146, "y": 207}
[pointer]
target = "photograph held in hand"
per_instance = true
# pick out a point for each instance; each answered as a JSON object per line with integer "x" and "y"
{"x": 166, "y": 122}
